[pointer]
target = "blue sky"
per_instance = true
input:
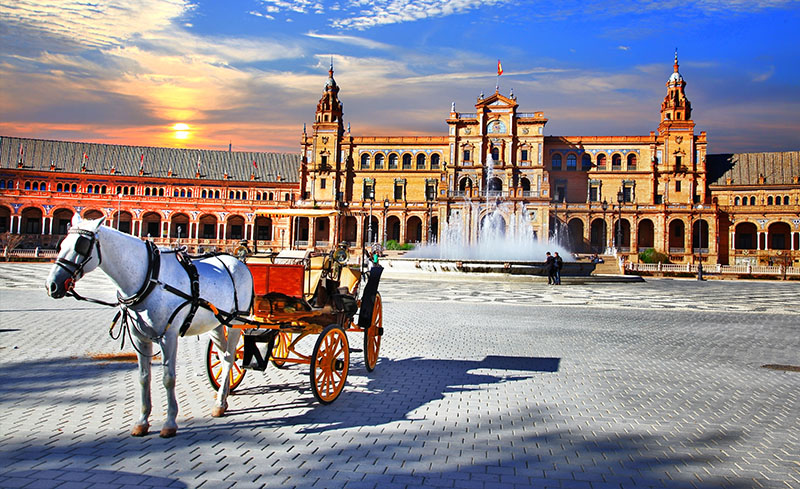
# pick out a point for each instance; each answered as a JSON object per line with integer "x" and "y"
{"x": 250, "y": 72}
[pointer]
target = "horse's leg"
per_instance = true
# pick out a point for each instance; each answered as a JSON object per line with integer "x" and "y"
{"x": 169, "y": 352}
{"x": 144, "y": 351}
{"x": 229, "y": 348}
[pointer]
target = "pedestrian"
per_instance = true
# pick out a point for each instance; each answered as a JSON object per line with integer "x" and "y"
{"x": 558, "y": 262}
{"x": 549, "y": 267}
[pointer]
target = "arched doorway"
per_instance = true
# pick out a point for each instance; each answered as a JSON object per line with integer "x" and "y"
{"x": 779, "y": 236}
{"x": 700, "y": 236}
{"x": 413, "y": 230}
{"x": 525, "y": 185}
{"x": 301, "y": 231}
{"x": 350, "y": 230}
{"x": 464, "y": 185}
{"x": 122, "y": 221}
{"x": 263, "y": 228}
{"x": 677, "y": 240}
{"x": 151, "y": 225}
{"x": 179, "y": 226}
{"x": 322, "y": 235}
{"x": 622, "y": 234}
{"x": 495, "y": 187}
{"x": 597, "y": 237}
{"x": 646, "y": 235}
{"x": 5, "y": 219}
{"x": 575, "y": 229}
{"x": 31, "y": 221}
{"x": 434, "y": 235}
{"x": 235, "y": 227}
{"x": 208, "y": 226}
{"x": 745, "y": 236}
{"x": 393, "y": 228}
{"x": 374, "y": 229}
{"x": 62, "y": 218}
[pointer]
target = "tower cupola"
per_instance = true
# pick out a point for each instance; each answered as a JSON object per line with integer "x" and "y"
{"x": 676, "y": 107}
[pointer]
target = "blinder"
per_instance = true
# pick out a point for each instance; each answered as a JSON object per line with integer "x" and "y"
{"x": 83, "y": 248}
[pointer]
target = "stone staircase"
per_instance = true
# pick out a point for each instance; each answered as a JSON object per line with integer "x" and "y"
{"x": 610, "y": 266}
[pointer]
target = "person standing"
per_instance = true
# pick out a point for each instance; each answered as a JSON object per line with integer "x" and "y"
{"x": 558, "y": 262}
{"x": 549, "y": 267}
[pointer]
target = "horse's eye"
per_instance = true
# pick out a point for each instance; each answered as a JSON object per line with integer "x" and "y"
{"x": 83, "y": 245}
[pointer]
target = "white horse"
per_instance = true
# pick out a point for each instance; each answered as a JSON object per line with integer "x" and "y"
{"x": 154, "y": 306}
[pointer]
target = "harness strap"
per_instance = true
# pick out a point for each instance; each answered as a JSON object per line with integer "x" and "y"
{"x": 151, "y": 278}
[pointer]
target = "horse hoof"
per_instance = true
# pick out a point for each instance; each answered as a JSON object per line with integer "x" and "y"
{"x": 168, "y": 432}
{"x": 140, "y": 430}
{"x": 217, "y": 412}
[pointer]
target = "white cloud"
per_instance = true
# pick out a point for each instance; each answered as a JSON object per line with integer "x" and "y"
{"x": 356, "y": 41}
{"x": 381, "y": 12}
{"x": 762, "y": 77}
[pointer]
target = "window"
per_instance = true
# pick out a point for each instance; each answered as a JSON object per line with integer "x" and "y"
{"x": 736, "y": 201}
{"x": 398, "y": 191}
{"x": 586, "y": 162}
{"x": 769, "y": 200}
{"x": 777, "y": 199}
{"x": 632, "y": 161}
{"x": 659, "y": 199}
{"x": 393, "y": 161}
{"x": 496, "y": 154}
{"x": 523, "y": 155}
{"x": 753, "y": 200}
{"x": 594, "y": 193}
{"x": 421, "y": 161}
{"x": 271, "y": 196}
{"x": 365, "y": 161}
{"x": 236, "y": 231}
{"x": 572, "y": 162}
{"x": 677, "y": 185}
{"x": 627, "y": 193}
{"x": 466, "y": 155}
{"x": 379, "y": 161}
{"x": 601, "y": 161}
{"x": 616, "y": 162}
{"x": 785, "y": 200}
{"x": 406, "y": 161}
{"x": 287, "y": 197}
{"x": 323, "y": 183}
{"x": 556, "y": 159}
{"x": 678, "y": 161}
{"x": 435, "y": 161}
{"x": 324, "y": 160}
{"x": 561, "y": 192}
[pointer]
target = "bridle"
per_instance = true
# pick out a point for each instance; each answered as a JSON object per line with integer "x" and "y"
{"x": 83, "y": 248}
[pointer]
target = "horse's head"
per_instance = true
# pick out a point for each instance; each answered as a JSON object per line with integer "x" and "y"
{"x": 79, "y": 255}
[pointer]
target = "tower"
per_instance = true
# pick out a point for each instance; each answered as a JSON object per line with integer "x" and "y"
{"x": 321, "y": 149}
{"x": 680, "y": 160}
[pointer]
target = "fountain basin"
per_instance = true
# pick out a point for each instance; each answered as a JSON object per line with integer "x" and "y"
{"x": 510, "y": 267}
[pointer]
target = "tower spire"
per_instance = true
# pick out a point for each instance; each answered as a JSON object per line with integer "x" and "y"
{"x": 675, "y": 66}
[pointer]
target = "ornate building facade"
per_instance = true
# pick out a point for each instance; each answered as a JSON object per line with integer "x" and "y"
{"x": 620, "y": 194}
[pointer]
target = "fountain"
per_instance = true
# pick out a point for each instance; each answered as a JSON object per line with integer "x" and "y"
{"x": 491, "y": 236}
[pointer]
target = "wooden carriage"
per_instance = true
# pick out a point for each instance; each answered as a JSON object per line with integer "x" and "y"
{"x": 306, "y": 293}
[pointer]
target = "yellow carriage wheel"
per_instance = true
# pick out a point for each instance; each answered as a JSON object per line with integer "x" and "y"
{"x": 214, "y": 364}
{"x": 372, "y": 335}
{"x": 330, "y": 363}
{"x": 281, "y": 349}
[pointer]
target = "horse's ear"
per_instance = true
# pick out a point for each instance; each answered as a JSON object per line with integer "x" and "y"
{"x": 98, "y": 222}
{"x": 76, "y": 219}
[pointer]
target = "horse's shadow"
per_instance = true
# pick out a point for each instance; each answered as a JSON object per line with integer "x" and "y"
{"x": 404, "y": 385}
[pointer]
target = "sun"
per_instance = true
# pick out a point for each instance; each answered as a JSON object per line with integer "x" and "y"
{"x": 181, "y": 131}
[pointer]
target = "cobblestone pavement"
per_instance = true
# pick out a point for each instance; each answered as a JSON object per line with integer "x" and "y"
{"x": 480, "y": 384}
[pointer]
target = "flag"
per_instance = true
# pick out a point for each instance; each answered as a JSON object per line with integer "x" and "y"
{"x": 499, "y": 68}
{"x": 21, "y": 153}
{"x": 141, "y": 163}
{"x": 255, "y": 165}
{"x": 198, "y": 163}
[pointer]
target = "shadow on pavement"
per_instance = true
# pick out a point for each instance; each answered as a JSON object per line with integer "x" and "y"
{"x": 85, "y": 478}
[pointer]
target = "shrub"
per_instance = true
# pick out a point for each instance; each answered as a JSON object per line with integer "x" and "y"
{"x": 394, "y": 245}
{"x": 650, "y": 255}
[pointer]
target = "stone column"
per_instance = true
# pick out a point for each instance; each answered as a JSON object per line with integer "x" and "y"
{"x": 758, "y": 240}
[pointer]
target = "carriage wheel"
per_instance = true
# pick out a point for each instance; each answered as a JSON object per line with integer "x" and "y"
{"x": 329, "y": 364}
{"x": 214, "y": 364}
{"x": 281, "y": 349}
{"x": 372, "y": 336}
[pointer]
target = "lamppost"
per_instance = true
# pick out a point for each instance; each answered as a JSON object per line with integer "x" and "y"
{"x": 430, "y": 220}
{"x": 119, "y": 209}
{"x": 369, "y": 225}
{"x": 620, "y": 200}
{"x": 699, "y": 241}
{"x": 385, "y": 217}
{"x": 178, "y": 241}
{"x": 604, "y": 205}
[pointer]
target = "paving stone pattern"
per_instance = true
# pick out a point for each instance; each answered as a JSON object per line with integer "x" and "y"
{"x": 480, "y": 384}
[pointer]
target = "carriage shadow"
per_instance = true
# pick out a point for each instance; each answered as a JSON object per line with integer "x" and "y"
{"x": 55, "y": 374}
{"x": 407, "y": 385}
